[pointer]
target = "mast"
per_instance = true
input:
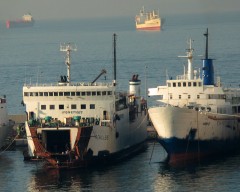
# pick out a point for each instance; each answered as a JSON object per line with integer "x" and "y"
{"x": 206, "y": 49}
{"x": 67, "y": 47}
{"x": 189, "y": 56}
{"x": 114, "y": 59}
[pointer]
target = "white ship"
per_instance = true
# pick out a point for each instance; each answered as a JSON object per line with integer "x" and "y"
{"x": 60, "y": 112}
{"x": 197, "y": 117}
{"x": 5, "y": 124}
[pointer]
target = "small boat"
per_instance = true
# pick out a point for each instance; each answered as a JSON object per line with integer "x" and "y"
{"x": 148, "y": 20}
{"x": 26, "y": 21}
{"x": 197, "y": 117}
{"x": 78, "y": 124}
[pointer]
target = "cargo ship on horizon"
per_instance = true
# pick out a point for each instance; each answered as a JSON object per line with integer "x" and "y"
{"x": 26, "y": 21}
{"x": 148, "y": 20}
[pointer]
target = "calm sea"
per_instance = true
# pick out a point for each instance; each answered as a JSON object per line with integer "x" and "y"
{"x": 32, "y": 55}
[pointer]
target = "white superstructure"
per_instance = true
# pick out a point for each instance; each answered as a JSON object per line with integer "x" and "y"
{"x": 118, "y": 118}
{"x": 197, "y": 117}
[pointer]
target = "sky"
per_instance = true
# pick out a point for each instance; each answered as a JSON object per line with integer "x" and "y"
{"x": 68, "y": 9}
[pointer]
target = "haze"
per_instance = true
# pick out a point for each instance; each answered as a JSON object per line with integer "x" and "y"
{"x": 67, "y": 9}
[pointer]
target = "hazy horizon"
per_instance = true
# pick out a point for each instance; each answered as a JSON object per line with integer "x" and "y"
{"x": 76, "y": 9}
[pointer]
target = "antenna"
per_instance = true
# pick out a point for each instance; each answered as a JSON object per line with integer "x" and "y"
{"x": 68, "y": 47}
{"x": 114, "y": 59}
{"x": 189, "y": 56}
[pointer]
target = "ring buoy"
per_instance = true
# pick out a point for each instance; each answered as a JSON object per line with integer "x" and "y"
{"x": 97, "y": 122}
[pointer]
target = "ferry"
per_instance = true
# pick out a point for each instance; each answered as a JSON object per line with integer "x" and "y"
{"x": 148, "y": 20}
{"x": 197, "y": 117}
{"x": 78, "y": 124}
{"x": 26, "y": 21}
{"x": 6, "y": 124}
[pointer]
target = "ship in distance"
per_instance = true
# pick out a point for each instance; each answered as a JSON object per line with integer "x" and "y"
{"x": 26, "y": 21}
{"x": 148, "y": 20}
{"x": 197, "y": 117}
{"x": 77, "y": 124}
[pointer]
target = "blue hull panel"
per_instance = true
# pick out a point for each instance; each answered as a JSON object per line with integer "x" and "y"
{"x": 183, "y": 149}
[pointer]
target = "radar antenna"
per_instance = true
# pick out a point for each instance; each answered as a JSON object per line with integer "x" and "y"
{"x": 68, "y": 47}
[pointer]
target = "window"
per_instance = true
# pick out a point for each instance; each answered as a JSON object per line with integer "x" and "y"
{"x": 83, "y": 106}
{"x": 43, "y": 107}
{"x": 104, "y": 93}
{"x": 66, "y": 93}
{"x": 25, "y": 94}
{"x": 184, "y": 84}
{"x": 35, "y": 93}
{"x": 72, "y": 93}
{"x": 169, "y": 84}
{"x": 92, "y": 106}
{"x": 88, "y": 93}
{"x": 60, "y": 93}
{"x": 50, "y": 93}
{"x": 55, "y": 93}
{"x": 94, "y": 93}
{"x": 31, "y": 93}
{"x": 189, "y": 84}
{"x": 194, "y": 84}
{"x": 61, "y": 106}
{"x": 189, "y": 96}
{"x": 199, "y": 84}
{"x": 40, "y": 93}
{"x": 78, "y": 93}
{"x": 174, "y": 84}
{"x": 45, "y": 93}
{"x": 73, "y": 106}
{"x": 98, "y": 93}
{"x": 52, "y": 107}
{"x": 109, "y": 92}
{"x": 83, "y": 93}
{"x": 179, "y": 96}
{"x": 170, "y": 96}
{"x": 198, "y": 96}
{"x": 179, "y": 84}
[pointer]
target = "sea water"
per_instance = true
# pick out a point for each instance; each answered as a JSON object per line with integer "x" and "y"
{"x": 32, "y": 55}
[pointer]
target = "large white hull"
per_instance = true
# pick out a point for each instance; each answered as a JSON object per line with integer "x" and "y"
{"x": 185, "y": 132}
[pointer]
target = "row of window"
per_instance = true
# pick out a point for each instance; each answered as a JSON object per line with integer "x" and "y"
{"x": 180, "y": 96}
{"x": 184, "y": 84}
{"x": 73, "y": 106}
{"x": 77, "y": 93}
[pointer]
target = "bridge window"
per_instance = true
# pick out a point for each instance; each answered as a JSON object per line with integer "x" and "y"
{"x": 61, "y": 106}
{"x": 83, "y": 106}
{"x": 43, "y": 107}
{"x": 66, "y": 93}
{"x": 73, "y": 106}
